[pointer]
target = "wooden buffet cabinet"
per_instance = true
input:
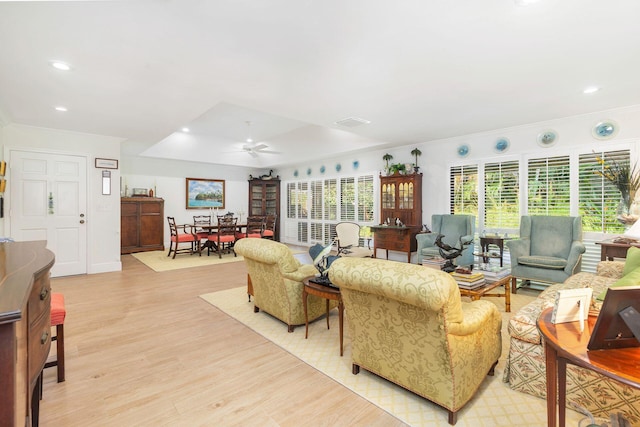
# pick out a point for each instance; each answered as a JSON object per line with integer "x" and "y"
{"x": 141, "y": 224}
{"x": 264, "y": 199}
{"x": 25, "y": 331}
{"x": 401, "y": 198}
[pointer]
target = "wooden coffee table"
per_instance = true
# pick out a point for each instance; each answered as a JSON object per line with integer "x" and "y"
{"x": 322, "y": 291}
{"x": 476, "y": 294}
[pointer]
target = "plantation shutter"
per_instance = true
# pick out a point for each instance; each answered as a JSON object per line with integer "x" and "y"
{"x": 548, "y": 186}
{"x": 501, "y": 195}
{"x": 463, "y": 187}
{"x": 347, "y": 199}
{"x": 599, "y": 198}
{"x": 330, "y": 200}
{"x": 365, "y": 198}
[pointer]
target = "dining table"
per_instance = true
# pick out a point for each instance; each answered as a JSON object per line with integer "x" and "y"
{"x": 210, "y": 244}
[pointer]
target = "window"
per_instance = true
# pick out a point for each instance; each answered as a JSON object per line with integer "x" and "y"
{"x": 598, "y": 198}
{"x": 548, "y": 186}
{"x": 501, "y": 195}
{"x": 329, "y": 201}
{"x": 464, "y": 190}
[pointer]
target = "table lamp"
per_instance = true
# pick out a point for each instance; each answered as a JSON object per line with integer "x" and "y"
{"x": 633, "y": 232}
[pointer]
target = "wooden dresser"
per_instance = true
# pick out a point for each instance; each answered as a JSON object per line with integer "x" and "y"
{"x": 25, "y": 332}
{"x": 141, "y": 224}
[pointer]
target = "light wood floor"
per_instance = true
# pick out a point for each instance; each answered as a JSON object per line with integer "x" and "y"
{"x": 143, "y": 349}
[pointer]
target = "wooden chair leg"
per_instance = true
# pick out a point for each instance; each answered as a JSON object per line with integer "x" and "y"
{"x": 60, "y": 351}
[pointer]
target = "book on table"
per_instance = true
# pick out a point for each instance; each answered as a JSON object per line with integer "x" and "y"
{"x": 494, "y": 275}
{"x": 434, "y": 262}
{"x": 471, "y": 285}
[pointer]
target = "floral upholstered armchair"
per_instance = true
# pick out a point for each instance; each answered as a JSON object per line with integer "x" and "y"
{"x": 408, "y": 325}
{"x": 276, "y": 276}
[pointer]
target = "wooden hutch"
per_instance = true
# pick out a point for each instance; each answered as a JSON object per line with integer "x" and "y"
{"x": 264, "y": 200}
{"x": 400, "y": 198}
{"x": 141, "y": 224}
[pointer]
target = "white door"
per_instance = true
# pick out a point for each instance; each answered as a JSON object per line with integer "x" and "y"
{"x": 49, "y": 202}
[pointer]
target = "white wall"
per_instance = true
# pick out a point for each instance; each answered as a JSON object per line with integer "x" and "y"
{"x": 169, "y": 179}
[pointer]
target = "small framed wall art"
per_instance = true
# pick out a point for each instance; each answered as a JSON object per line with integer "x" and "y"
{"x": 106, "y": 163}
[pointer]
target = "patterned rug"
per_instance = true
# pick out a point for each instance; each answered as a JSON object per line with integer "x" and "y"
{"x": 495, "y": 404}
{"x": 159, "y": 261}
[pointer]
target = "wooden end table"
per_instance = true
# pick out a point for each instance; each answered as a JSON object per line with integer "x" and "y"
{"x": 476, "y": 294}
{"x": 327, "y": 292}
{"x": 484, "y": 246}
{"x": 610, "y": 249}
{"x": 564, "y": 343}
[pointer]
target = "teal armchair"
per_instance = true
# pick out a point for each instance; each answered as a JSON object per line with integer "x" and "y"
{"x": 453, "y": 228}
{"x": 549, "y": 249}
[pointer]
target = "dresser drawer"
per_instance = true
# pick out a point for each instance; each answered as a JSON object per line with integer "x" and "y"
{"x": 39, "y": 343}
{"x": 40, "y": 298}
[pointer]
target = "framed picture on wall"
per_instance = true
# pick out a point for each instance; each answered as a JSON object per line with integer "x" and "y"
{"x": 204, "y": 193}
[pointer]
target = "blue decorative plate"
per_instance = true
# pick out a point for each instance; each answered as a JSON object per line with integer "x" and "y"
{"x": 295, "y": 172}
{"x": 338, "y": 167}
{"x": 463, "y": 150}
{"x": 356, "y": 164}
{"x": 502, "y": 145}
{"x": 605, "y": 130}
{"x": 309, "y": 171}
{"x": 322, "y": 169}
{"x": 547, "y": 138}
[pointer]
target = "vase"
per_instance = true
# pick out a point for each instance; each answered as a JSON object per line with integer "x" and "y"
{"x": 628, "y": 212}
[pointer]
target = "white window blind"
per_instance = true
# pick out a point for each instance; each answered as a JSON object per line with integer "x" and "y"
{"x": 463, "y": 185}
{"x": 365, "y": 198}
{"x": 598, "y": 198}
{"x": 316, "y": 200}
{"x": 330, "y": 200}
{"x": 347, "y": 199}
{"x": 501, "y": 195}
{"x": 548, "y": 186}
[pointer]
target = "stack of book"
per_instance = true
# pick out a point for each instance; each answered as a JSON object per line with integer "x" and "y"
{"x": 434, "y": 262}
{"x": 469, "y": 281}
{"x": 495, "y": 275}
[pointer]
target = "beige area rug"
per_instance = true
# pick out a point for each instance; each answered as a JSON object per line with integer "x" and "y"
{"x": 495, "y": 404}
{"x": 159, "y": 261}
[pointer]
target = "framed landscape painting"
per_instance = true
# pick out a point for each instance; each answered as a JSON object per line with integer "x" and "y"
{"x": 205, "y": 193}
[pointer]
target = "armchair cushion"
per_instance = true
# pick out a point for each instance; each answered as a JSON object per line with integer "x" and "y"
{"x": 454, "y": 228}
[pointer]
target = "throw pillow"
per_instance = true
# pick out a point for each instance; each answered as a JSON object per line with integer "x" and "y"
{"x": 633, "y": 260}
{"x": 631, "y": 279}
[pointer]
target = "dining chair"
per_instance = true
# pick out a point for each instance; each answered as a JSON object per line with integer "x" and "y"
{"x": 198, "y": 222}
{"x": 225, "y": 237}
{"x": 269, "y": 231}
{"x": 183, "y": 233}
{"x": 255, "y": 226}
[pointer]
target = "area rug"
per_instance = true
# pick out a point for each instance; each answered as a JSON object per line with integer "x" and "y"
{"x": 495, "y": 404}
{"x": 159, "y": 261}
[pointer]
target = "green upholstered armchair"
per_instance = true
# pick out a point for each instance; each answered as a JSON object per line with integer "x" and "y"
{"x": 549, "y": 249}
{"x": 453, "y": 228}
{"x": 409, "y": 325}
{"x": 276, "y": 276}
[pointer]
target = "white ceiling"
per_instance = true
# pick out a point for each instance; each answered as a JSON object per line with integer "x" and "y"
{"x": 419, "y": 70}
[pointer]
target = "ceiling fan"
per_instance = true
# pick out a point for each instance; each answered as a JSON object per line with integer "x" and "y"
{"x": 255, "y": 150}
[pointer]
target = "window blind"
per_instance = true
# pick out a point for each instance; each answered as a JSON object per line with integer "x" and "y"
{"x": 548, "y": 186}
{"x": 501, "y": 195}
{"x": 463, "y": 186}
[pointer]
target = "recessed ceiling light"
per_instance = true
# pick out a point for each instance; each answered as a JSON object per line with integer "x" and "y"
{"x": 249, "y": 140}
{"x": 61, "y": 108}
{"x": 591, "y": 89}
{"x": 59, "y": 65}
{"x": 185, "y": 130}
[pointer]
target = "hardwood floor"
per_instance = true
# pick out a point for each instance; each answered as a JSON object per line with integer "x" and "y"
{"x": 143, "y": 349}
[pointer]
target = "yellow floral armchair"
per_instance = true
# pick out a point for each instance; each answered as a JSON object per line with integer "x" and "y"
{"x": 408, "y": 325}
{"x": 276, "y": 276}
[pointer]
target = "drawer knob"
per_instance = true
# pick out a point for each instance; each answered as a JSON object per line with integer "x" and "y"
{"x": 43, "y": 293}
{"x": 44, "y": 337}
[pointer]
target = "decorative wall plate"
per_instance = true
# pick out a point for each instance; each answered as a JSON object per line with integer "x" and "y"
{"x": 356, "y": 164}
{"x": 463, "y": 150}
{"x": 547, "y": 138}
{"x": 295, "y": 172}
{"x": 338, "y": 167}
{"x": 322, "y": 169}
{"x": 309, "y": 171}
{"x": 605, "y": 130}
{"x": 502, "y": 145}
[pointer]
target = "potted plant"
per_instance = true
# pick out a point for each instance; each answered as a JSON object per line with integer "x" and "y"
{"x": 416, "y": 152}
{"x": 387, "y": 157}
{"x": 397, "y": 168}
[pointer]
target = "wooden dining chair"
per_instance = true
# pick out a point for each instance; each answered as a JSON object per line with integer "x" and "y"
{"x": 225, "y": 237}
{"x": 201, "y": 233}
{"x": 269, "y": 231}
{"x": 183, "y": 233}
{"x": 255, "y": 226}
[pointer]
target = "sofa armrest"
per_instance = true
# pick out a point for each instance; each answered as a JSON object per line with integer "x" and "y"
{"x": 305, "y": 270}
{"x": 613, "y": 269}
{"x": 518, "y": 248}
{"x": 477, "y": 315}
{"x": 425, "y": 240}
{"x": 576, "y": 251}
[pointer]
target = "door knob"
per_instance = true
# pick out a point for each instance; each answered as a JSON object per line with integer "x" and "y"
{"x": 81, "y": 215}
{"x": 82, "y": 221}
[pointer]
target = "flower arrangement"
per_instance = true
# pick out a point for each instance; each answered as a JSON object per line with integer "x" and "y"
{"x": 626, "y": 179}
